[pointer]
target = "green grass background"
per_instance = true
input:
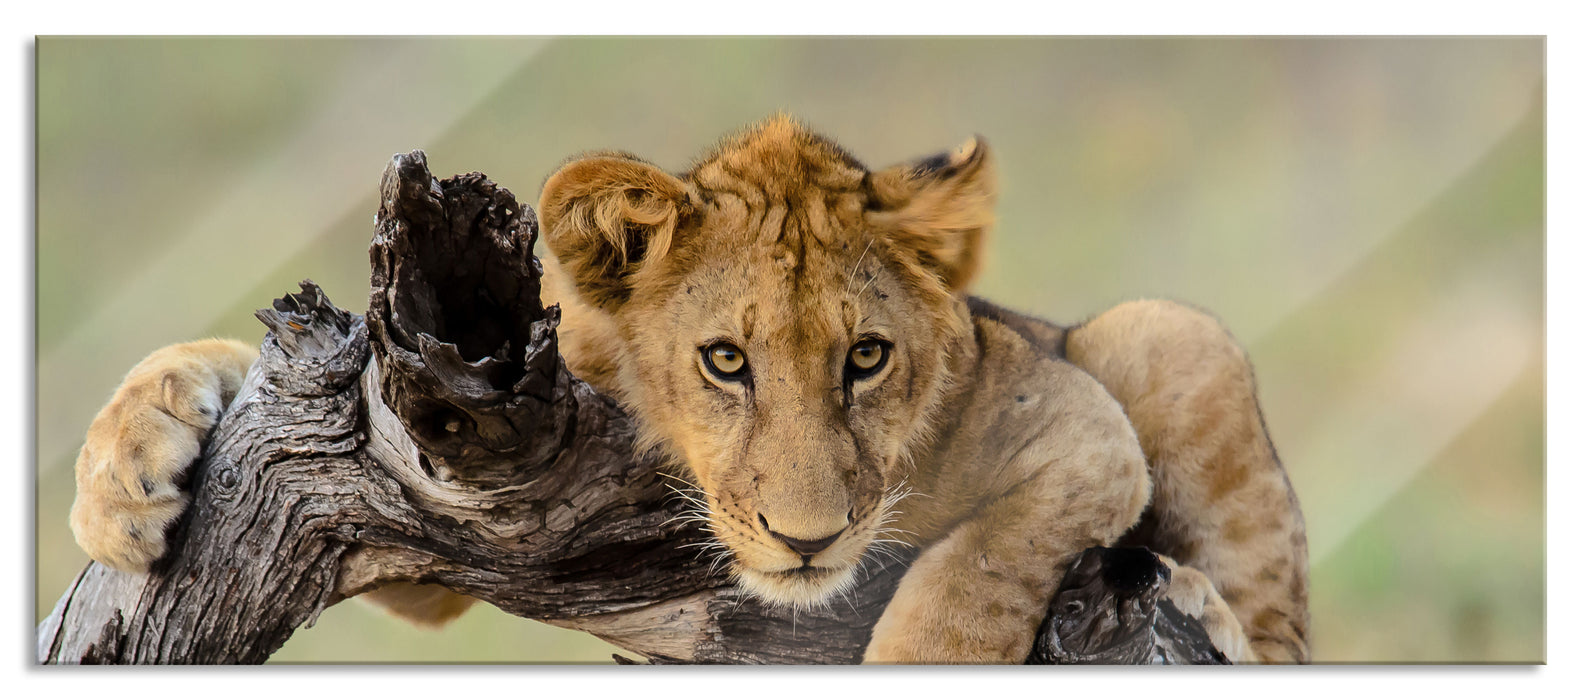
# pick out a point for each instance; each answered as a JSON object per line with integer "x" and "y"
{"x": 1366, "y": 215}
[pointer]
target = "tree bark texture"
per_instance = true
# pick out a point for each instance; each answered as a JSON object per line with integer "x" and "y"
{"x": 442, "y": 440}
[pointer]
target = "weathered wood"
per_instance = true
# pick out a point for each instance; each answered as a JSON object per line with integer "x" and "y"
{"x": 465, "y": 454}
{"x": 1110, "y": 609}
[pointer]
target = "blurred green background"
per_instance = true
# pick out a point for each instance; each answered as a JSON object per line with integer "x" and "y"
{"x": 1365, "y": 214}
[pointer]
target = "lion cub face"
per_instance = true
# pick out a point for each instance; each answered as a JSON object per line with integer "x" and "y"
{"x": 790, "y": 406}
{"x": 786, "y": 321}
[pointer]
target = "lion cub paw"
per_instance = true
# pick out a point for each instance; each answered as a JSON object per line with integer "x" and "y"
{"x": 1194, "y": 594}
{"x": 131, "y": 468}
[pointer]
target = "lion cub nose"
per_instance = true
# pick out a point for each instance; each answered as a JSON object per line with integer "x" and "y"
{"x": 805, "y": 548}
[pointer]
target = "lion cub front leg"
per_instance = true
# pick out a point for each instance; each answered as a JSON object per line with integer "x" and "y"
{"x": 140, "y": 445}
{"x": 979, "y": 595}
{"x": 973, "y": 598}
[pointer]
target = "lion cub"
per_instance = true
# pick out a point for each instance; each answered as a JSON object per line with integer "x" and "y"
{"x": 795, "y": 330}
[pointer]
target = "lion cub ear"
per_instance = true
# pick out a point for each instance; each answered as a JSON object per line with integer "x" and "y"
{"x": 939, "y": 208}
{"x": 607, "y": 218}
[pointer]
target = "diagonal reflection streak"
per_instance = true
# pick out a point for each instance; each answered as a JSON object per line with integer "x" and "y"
{"x": 309, "y": 184}
{"x": 1444, "y": 370}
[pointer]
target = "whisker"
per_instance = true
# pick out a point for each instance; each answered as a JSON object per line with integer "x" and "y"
{"x": 857, "y": 266}
{"x": 683, "y": 495}
{"x": 896, "y": 559}
{"x": 883, "y": 550}
{"x": 907, "y": 545}
{"x": 723, "y": 558}
{"x": 866, "y": 286}
{"x": 827, "y": 604}
{"x": 673, "y": 477}
{"x": 845, "y": 593}
{"x": 690, "y": 516}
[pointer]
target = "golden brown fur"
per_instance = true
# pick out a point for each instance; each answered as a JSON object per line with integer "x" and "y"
{"x": 998, "y": 444}
{"x": 130, "y": 470}
{"x": 1222, "y": 502}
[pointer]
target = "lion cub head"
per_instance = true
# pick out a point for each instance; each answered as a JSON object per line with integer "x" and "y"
{"x": 787, "y": 322}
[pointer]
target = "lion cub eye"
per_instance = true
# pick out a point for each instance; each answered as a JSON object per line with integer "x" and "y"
{"x": 725, "y": 360}
{"x": 867, "y": 358}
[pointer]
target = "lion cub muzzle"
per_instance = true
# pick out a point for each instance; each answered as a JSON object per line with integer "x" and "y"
{"x": 810, "y": 530}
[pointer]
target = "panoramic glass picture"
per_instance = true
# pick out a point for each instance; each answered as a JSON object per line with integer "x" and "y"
{"x": 575, "y": 350}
